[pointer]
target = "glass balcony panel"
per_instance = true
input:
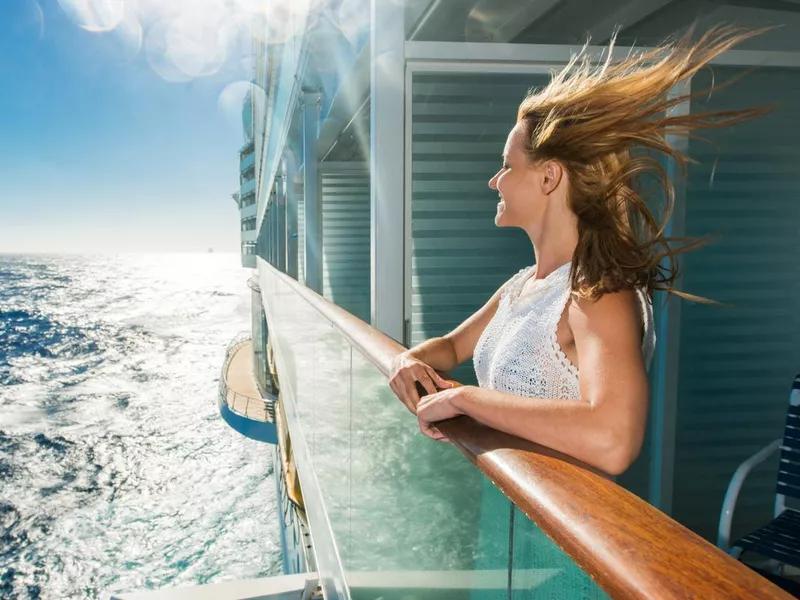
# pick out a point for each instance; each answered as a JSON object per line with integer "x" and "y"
{"x": 326, "y": 422}
{"x": 409, "y": 517}
{"x": 410, "y": 488}
{"x": 247, "y": 186}
{"x": 540, "y": 569}
{"x": 248, "y": 161}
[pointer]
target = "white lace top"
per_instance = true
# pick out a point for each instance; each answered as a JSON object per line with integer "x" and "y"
{"x": 518, "y": 352}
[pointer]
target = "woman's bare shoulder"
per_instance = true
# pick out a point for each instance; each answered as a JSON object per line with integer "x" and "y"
{"x": 613, "y": 313}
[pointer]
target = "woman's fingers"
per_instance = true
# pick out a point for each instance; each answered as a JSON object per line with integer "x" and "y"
{"x": 412, "y": 380}
{"x": 411, "y": 393}
{"x": 399, "y": 388}
{"x": 416, "y": 385}
{"x": 410, "y": 397}
{"x": 426, "y": 429}
{"x": 411, "y": 383}
{"x": 430, "y": 431}
{"x": 426, "y": 382}
{"x": 438, "y": 435}
{"x": 441, "y": 383}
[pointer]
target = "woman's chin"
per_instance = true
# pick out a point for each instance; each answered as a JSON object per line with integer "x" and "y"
{"x": 500, "y": 219}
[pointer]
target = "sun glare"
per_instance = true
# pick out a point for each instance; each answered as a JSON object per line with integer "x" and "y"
{"x": 186, "y": 39}
{"x": 183, "y": 40}
{"x": 94, "y": 15}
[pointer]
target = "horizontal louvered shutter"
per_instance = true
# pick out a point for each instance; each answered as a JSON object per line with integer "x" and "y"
{"x": 301, "y": 235}
{"x": 459, "y": 258}
{"x": 345, "y": 193}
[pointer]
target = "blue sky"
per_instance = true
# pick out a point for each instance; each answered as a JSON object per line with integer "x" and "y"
{"x": 99, "y": 153}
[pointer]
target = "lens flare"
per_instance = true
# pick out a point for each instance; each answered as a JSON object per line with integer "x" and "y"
{"x": 281, "y": 21}
{"x": 156, "y": 45}
{"x": 250, "y": 6}
{"x": 198, "y": 43}
{"x": 350, "y": 18}
{"x": 130, "y": 34}
{"x": 231, "y": 103}
{"x": 39, "y": 17}
{"x": 94, "y": 15}
{"x": 187, "y": 39}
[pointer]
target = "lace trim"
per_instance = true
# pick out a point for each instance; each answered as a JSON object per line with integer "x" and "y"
{"x": 514, "y": 287}
{"x": 519, "y": 282}
{"x": 519, "y": 351}
{"x": 560, "y": 354}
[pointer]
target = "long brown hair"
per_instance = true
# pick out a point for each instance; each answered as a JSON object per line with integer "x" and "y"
{"x": 607, "y": 124}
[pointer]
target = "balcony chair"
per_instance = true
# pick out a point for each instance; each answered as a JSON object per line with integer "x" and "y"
{"x": 779, "y": 540}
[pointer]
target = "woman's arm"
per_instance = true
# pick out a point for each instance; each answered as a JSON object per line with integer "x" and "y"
{"x": 420, "y": 363}
{"x": 606, "y": 427}
{"x": 447, "y": 352}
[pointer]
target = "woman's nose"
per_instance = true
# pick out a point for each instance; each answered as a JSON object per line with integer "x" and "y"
{"x": 493, "y": 182}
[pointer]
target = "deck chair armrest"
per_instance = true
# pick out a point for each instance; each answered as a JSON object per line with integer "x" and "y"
{"x": 735, "y": 486}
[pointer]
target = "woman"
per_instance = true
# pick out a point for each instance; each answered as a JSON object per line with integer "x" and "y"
{"x": 561, "y": 350}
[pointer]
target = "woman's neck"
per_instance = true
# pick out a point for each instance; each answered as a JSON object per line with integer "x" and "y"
{"x": 553, "y": 246}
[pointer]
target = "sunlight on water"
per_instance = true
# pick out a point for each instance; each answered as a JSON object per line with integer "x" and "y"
{"x": 117, "y": 471}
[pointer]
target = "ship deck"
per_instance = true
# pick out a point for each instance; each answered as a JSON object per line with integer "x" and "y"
{"x": 242, "y": 395}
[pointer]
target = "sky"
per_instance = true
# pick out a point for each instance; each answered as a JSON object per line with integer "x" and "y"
{"x": 120, "y": 124}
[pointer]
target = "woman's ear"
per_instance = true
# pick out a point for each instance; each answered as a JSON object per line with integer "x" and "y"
{"x": 553, "y": 172}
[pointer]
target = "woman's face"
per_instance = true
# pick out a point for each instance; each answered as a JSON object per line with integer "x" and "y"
{"x": 518, "y": 184}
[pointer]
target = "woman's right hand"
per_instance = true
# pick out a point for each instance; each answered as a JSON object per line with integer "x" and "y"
{"x": 406, "y": 372}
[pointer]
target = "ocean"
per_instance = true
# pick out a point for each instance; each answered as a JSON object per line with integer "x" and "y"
{"x": 116, "y": 471}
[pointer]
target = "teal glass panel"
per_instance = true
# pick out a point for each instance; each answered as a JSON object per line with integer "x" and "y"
{"x": 425, "y": 522}
{"x": 408, "y": 517}
{"x": 401, "y": 516}
{"x": 327, "y": 424}
{"x": 541, "y": 570}
{"x": 313, "y": 375}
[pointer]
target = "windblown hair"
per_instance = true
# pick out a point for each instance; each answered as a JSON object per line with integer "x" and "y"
{"x": 607, "y": 124}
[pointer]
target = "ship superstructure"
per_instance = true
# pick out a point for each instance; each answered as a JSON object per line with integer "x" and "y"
{"x": 379, "y": 124}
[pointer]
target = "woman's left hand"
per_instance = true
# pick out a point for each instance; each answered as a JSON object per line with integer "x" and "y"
{"x": 438, "y": 407}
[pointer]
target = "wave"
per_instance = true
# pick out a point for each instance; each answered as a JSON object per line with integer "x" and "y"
{"x": 114, "y": 463}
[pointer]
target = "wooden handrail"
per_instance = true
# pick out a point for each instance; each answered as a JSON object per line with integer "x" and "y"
{"x": 631, "y": 549}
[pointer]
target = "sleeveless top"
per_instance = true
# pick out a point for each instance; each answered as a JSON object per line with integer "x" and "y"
{"x": 519, "y": 353}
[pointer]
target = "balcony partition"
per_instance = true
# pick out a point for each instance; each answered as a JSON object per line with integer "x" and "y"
{"x": 396, "y": 515}
{"x": 736, "y": 362}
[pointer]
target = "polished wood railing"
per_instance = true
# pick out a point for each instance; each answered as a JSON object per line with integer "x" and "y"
{"x": 631, "y": 549}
